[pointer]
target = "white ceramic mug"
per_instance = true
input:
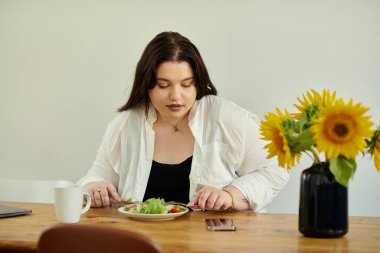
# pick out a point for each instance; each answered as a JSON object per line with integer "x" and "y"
{"x": 68, "y": 201}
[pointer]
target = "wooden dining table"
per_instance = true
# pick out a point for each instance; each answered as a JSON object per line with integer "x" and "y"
{"x": 255, "y": 232}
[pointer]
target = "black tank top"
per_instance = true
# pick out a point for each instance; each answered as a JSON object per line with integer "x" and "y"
{"x": 169, "y": 181}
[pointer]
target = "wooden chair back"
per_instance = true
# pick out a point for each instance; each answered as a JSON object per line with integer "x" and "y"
{"x": 80, "y": 238}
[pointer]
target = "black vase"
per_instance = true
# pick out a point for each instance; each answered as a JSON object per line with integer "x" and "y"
{"x": 323, "y": 207}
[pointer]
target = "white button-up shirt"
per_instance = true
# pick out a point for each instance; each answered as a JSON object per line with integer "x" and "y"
{"x": 227, "y": 151}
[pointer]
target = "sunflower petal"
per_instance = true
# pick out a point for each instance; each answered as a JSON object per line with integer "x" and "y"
{"x": 272, "y": 131}
{"x": 341, "y": 129}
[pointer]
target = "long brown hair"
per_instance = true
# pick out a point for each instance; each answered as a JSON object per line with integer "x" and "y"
{"x": 167, "y": 46}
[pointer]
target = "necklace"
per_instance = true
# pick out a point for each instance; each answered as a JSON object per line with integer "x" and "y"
{"x": 174, "y": 127}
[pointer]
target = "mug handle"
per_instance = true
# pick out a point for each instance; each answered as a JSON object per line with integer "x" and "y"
{"x": 88, "y": 202}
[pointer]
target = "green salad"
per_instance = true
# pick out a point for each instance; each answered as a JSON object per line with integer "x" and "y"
{"x": 155, "y": 206}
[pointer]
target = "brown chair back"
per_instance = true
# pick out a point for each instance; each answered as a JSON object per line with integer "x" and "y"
{"x": 79, "y": 238}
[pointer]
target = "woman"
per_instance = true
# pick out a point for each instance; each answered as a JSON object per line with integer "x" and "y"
{"x": 175, "y": 139}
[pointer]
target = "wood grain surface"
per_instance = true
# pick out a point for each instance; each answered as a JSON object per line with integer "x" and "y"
{"x": 188, "y": 233}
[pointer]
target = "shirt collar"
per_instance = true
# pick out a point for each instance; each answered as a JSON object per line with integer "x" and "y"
{"x": 196, "y": 122}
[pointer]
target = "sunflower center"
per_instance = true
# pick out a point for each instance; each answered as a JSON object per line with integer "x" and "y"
{"x": 340, "y": 130}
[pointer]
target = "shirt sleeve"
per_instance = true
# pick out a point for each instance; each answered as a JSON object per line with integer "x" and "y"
{"x": 103, "y": 167}
{"x": 259, "y": 179}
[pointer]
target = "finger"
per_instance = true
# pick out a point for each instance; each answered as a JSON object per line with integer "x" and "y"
{"x": 92, "y": 198}
{"x": 227, "y": 199}
{"x": 113, "y": 192}
{"x": 198, "y": 197}
{"x": 202, "y": 199}
{"x": 104, "y": 197}
{"x": 194, "y": 200}
{"x": 218, "y": 204}
{"x": 211, "y": 200}
{"x": 93, "y": 190}
{"x": 97, "y": 199}
{"x": 225, "y": 206}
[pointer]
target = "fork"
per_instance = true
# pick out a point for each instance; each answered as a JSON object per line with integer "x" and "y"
{"x": 193, "y": 208}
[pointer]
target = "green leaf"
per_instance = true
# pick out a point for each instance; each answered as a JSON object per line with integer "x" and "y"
{"x": 312, "y": 111}
{"x": 308, "y": 115}
{"x": 289, "y": 124}
{"x": 371, "y": 143}
{"x": 153, "y": 206}
{"x": 343, "y": 169}
{"x": 302, "y": 142}
{"x": 299, "y": 139}
{"x": 303, "y": 121}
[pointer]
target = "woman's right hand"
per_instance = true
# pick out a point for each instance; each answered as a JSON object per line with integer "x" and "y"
{"x": 101, "y": 192}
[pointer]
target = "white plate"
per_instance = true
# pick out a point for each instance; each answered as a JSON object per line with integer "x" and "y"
{"x": 150, "y": 217}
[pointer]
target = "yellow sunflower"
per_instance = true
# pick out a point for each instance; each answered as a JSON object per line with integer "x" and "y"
{"x": 272, "y": 131}
{"x": 376, "y": 155}
{"x": 341, "y": 129}
{"x": 374, "y": 147}
{"x": 313, "y": 98}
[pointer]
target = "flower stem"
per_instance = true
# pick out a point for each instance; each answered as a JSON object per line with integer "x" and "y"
{"x": 315, "y": 154}
{"x": 309, "y": 155}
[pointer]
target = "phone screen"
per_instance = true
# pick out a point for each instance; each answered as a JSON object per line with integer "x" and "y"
{"x": 220, "y": 224}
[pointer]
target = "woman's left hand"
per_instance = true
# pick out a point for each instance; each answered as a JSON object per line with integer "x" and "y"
{"x": 211, "y": 198}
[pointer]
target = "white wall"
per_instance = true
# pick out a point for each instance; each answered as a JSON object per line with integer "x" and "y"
{"x": 65, "y": 66}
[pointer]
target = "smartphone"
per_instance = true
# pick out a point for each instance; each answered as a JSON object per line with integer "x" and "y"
{"x": 220, "y": 224}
